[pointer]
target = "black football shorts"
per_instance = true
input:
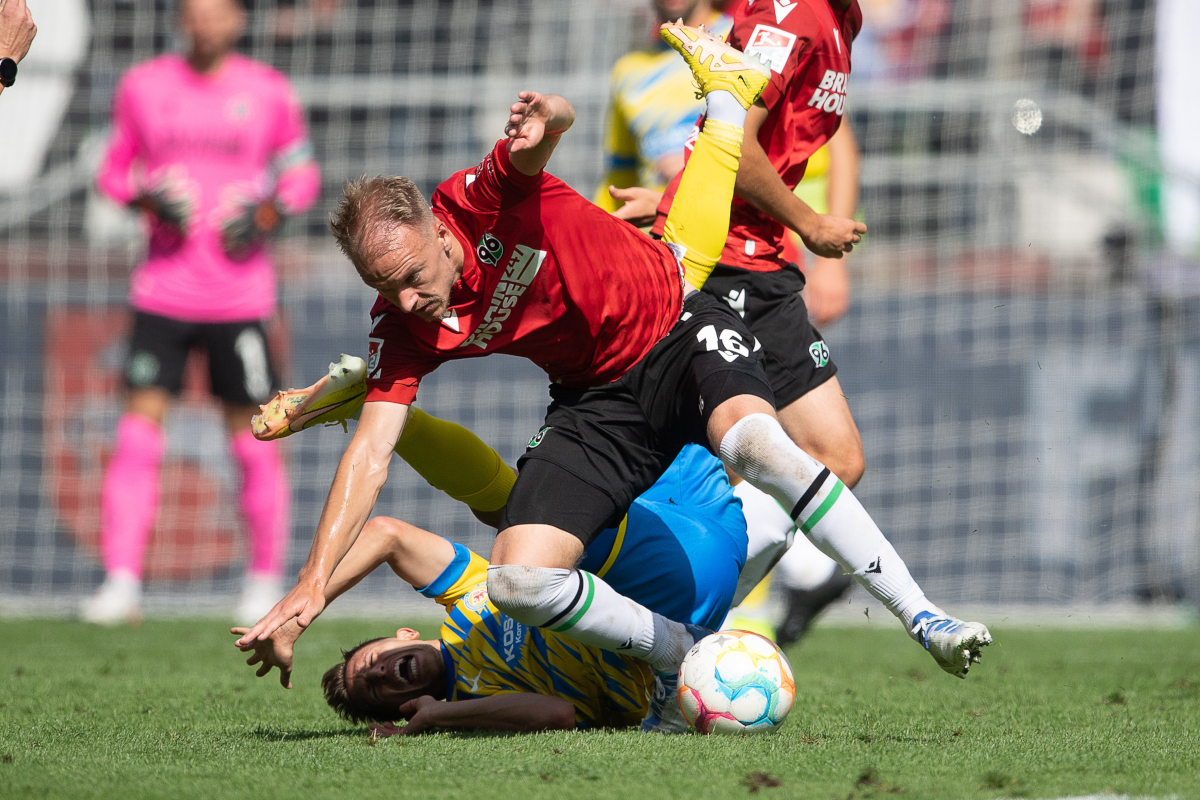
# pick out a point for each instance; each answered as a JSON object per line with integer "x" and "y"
{"x": 239, "y": 364}
{"x": 794, "y": 355}
{"x": 601, "y": 447}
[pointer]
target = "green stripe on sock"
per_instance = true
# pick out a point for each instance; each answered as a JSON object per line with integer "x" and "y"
{"x": 812, "y": 521}
{"x": 587, "y": 603}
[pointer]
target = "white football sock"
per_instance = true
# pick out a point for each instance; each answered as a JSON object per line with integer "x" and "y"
{"x": 723, "y": 106}
{"x": 804, "y": 567}
{"x": 759, "y": 450}
{"x": 769, "y": 532}
{"x": 585, "y": 608}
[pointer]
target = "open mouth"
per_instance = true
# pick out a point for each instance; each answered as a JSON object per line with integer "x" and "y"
{"x": 404, "y": 669}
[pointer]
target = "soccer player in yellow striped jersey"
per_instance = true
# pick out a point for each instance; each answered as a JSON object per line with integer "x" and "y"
{"x": 653, "y": 107}
{"x": 679, "y": 551}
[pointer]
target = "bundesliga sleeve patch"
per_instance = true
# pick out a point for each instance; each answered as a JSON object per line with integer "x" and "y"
{"x": 772, "y": 46}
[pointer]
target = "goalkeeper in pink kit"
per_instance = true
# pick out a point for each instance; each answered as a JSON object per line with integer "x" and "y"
{"x": 213, "y": 148}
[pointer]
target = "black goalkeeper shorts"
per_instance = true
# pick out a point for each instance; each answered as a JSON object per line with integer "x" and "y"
{"x": 601, "y": 447}
{"x": 239, "y": 364}
{"x": 794, "y": 355}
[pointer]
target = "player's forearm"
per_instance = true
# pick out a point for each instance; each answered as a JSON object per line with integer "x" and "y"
{"x": 760, "y": 185}
{"x": 360, "y": 560}
{"x": 356, "y": 486}
{"x": 841, "y": 193}
{"x": 506, "y": 712}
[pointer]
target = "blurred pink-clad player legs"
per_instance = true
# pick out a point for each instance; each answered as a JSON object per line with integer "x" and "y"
{"x": 129, "y": 497}
{"x": 265, "y": 495}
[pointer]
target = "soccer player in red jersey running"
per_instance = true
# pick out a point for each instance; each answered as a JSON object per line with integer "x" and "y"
{"x": 510, "y": 259}
{"x": 807, "y": 45}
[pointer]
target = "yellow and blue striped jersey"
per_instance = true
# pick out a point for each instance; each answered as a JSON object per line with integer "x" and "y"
{"x": 651, "y": 111}
{"x": 488, "y": 653}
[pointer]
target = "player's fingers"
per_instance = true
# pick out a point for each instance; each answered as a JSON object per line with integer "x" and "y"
{"x": 254, "y": 659}
{"x": 285, "y": 678}
{"x": 263, "y": 670}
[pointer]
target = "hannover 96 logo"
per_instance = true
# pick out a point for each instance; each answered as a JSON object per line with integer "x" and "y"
{"x": 819, "y": 353}
{"x": 537, "y": 437}
{"x": 489, "y": 250}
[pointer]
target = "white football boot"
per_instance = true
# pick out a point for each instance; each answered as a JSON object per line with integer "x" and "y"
{"x": 259, "y": 596}
{"x": 118, "y": 601}
{"x": 954, "y": 644}
{"x": 335, "y": 398}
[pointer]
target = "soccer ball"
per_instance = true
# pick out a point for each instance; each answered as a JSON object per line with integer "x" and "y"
{"x": 736, "y": 682}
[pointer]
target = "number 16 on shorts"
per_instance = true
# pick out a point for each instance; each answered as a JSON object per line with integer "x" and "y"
{"x": 728, "y": 344}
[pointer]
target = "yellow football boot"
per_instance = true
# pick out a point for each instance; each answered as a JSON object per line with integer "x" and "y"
{"x": 715, "y": 64}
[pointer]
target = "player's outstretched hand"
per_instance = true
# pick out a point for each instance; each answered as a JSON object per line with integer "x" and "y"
{"x": 641, "y": 204}
{"x": 273, "y": 652}
{"x": 833, "y": 236}
{"x": 536, "y": 117}
{"x": 419, "y": 713}
{"x": 303, "y": 603}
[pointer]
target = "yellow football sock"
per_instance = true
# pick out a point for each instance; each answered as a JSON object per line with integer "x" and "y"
{"x": 699, "y": 218}
{"x": 455, "y": 460}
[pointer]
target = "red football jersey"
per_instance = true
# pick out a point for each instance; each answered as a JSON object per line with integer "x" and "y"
{"x": 547, "y": 275}
{"x": 806, "y": 43}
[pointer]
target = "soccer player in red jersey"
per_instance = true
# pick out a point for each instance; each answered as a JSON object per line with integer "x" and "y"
{"x": 807, "y": 45}
{"x": 509, "y": 259}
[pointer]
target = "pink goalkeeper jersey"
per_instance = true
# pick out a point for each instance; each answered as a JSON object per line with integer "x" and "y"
{"x": 227, "y": 137}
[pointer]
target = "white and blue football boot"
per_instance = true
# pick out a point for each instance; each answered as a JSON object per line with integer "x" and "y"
{"x": 954, "y": 644}
{"x": 665, "y": 715}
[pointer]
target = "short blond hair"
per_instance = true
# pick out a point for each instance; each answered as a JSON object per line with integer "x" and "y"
{"x": 371, "y": 206}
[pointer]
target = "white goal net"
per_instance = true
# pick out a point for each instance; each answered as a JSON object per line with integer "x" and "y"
{"x": 1019, "y": 355}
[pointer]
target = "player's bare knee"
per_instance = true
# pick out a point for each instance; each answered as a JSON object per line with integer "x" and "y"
{"x": 521, "y": 591}
{"x": 847, "y": 463}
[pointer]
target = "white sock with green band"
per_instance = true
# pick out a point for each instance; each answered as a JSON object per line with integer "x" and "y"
{"x": 582, "y": 606}
{"x": 759, "y": 450}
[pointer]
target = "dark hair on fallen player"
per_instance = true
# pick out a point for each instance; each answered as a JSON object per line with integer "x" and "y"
{"x": 337, "y": 693}
{"x": 373, "y": 206}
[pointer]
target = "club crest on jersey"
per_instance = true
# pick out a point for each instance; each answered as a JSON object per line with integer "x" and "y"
{"x": 374, "y": 349}
{"x": 489, "y": 250}
{"x": 830, "y": 95}
{"x": 771, "y": 45}
{"x": 477, "y": 598}
{"x": 537, "y": 437}
{"x": 520, "y": 271}
{"x": 819, "y": 353}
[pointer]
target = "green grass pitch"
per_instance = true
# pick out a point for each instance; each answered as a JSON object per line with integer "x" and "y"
{"x": 169, "y": 710}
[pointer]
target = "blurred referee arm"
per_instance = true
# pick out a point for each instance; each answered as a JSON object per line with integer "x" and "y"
{"x": 16, "y": 32}
{"x": 759, "y": 184}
